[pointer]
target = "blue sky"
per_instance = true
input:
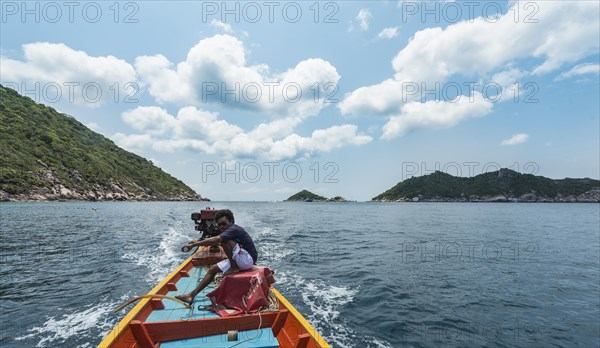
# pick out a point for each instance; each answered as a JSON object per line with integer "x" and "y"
{"x": 258, "y": 100}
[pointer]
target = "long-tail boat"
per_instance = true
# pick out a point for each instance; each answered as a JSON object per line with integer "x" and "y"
{"x": 160, "y": 320}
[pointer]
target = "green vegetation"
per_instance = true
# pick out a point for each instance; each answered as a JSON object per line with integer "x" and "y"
{"x": 42, "y": 150}
{"x": 505, "y": 182}
{"x": 305, "y": 195}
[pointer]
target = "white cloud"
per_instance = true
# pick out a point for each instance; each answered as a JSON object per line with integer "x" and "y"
{"x": 218, "y": 64}
{"x": 582, "y": 69}
{"x": 321, "y": 140}
{"x": 193, "y": 122}
{"x": 190, "y": 123}
{"x": 565, "y": 32}
{"x": 79, "y": 77}
{"x": 132, "y": 142}
{"x": 435, "y": 114}
{"x": 257, "y": 143}
{"x": 363, "y": 17}
{"x": 335, "y": 137}
{"x": 198, "y": 130}
{"x": 380, "y": 98}
{"x": 388, "y": 33}
{"x": 508, "y": 77}
{"x": 149, "y": 119}
{"x": 516, "y": 139}
{"x": 221, "y": 26}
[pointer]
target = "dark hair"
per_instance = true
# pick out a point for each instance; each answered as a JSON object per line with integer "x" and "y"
{"x": 227, "y": 214}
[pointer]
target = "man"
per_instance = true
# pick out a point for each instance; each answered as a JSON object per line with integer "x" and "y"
{"x": 238, "y": 246}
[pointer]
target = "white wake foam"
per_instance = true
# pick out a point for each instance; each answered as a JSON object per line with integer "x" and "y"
{"x": 59, "y": 329}
{"x": 160, "y": 262}
{"x": 325, "y": 302}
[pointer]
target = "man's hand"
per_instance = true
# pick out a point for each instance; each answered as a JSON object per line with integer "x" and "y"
{"x": 206, "y": 242}
{"x": 187, "y": 247}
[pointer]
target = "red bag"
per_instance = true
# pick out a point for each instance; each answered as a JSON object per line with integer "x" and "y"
{"x": 242, "y": 292}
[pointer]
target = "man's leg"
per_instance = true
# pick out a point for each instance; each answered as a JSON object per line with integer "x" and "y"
{"x": 210, "y": 275}
{"x": 228, "y": 249}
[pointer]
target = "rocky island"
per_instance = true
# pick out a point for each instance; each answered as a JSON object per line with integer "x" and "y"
{"x": 307, "y": 196}
{"x": 504, "y": 185}
{"x": 46, "y": 156}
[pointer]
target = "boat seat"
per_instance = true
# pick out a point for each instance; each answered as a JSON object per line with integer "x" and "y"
{"x": 243, "y": 292}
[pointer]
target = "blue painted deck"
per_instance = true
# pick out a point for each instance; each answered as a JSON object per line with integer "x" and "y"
{"x": 175, "y": 311}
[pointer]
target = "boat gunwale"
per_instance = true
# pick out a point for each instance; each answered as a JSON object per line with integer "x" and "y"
{"x": 123, "y": 324}
{"x": 301, "y": 320}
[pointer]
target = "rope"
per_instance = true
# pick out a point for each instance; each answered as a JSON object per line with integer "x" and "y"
{"x": 258, "y": 333}
{"x": 189, "y": 316}
{"x": 150, "y": 296}
{"x": 273, "y": 306}
{"x": 255, "y": 281}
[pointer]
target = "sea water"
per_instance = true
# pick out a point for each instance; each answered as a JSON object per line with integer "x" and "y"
{"x": 364, "y": 274}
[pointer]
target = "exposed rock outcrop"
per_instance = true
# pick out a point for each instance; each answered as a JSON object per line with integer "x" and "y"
{"x": 47, "y": 155}
{"x": 504, "y": 185}
{"x": 591, "y": 196}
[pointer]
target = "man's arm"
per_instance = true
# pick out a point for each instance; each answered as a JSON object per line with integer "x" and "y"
{"x": 216, "y": 240}
{"x": 206, "y": 242}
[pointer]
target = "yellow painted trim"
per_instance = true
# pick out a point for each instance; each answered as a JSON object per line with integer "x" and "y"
{"x": 112, "y": 336}
{"x": 305, "y": 324}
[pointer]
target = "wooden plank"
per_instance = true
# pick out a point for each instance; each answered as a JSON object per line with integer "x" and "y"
{"x": 303, "y": 340}
{"x": 284, "y": 340}
{"x": 278, "y": 324}
{"x": 316, "y": 337}
{"x": 125, "y": 339}
{"x": 157, "y": 303}
{"x": 141, "y": 334}
{"x": 177, "y": 330}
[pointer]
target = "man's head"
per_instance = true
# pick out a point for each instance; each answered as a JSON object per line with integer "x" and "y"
{"x": 224, "y": 219}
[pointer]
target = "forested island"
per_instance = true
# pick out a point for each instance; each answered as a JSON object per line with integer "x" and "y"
{"x": 307, "y": 196}
{"x": 46, "y": 155}
{"x": 504, "y": 185}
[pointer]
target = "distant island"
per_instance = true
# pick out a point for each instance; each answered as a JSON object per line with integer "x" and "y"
{"x": 46, "y": 156}
{"x": 307, "y": 196}
{"x": 504, "y": 185}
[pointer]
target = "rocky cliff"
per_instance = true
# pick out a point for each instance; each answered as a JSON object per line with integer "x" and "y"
{"x": 46, "y": 155}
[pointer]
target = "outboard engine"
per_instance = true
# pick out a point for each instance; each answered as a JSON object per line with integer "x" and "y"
{"x": 205, "y": 223}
